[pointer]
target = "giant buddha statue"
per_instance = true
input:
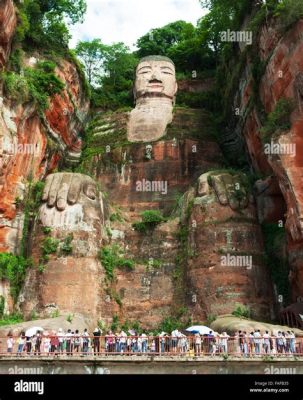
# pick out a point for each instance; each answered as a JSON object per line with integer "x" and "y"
{"x": 155, "y": 89}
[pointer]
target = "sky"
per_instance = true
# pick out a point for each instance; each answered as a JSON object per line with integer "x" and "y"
{"x": 127, "y": 20}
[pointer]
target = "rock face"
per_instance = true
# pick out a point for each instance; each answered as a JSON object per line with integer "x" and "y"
{"x": 8, "y": 22}
{"x": 225, "y": 244}
{"x": 207, "y": 255}
{"x": 282, "y": 79}
{"x": 32, "y": 146}
{"x": 124, "y": 169}
{"x": 70, "y": 228}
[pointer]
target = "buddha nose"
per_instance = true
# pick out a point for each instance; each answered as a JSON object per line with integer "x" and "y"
{"x": 156, "y": 75}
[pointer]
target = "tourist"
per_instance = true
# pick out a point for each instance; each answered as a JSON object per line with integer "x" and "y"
{"x": 139, "y": 344}
{"x": 241, "y": 340}
{"x": 223, "y": 342}
{"x": 46, "y": 345}
{"x": 61, "y": 340}
{"x": 110, "y": 342}
{"x": 236, "y": 344}
{"x": 198, "y": 344}
{"x": 266, "y": 342}
{"x": 10, "y": 342}
{"x": 21, "y": 343}
{"x": 209, "y": 341}
{"x": 117, "y": 343}
{"x": 54, "y": 343}
{"x": 129, "y": 344}
{"x": 280, "y": 342}
{"x": 245, "y": 344}
{"x": 272, "y": 345}
{"x": 28, "y": 344}
{"x": 284, "y": 341}
{"x": 144, "y": 342}
{"x": 77, "y": 341}
{"x": 123, "y": 339}
{"x": 213, "y": 344}
{"x": 184, "y": 343}
{"x": 174, "y": 340}
{"x": 85, "y": 341}
{"x": 162, "y": 342}
{"x": 251, "y": 343}
{"x": 134, "y": 344}
{"x": 96, "y": 341}
{"x": 287, "y": 344}
{"x": 33, "y": 342}
{"x": 68, "y": 341}
{"x": 257, "y": 341}
{"x": 292, "y": 342}
{"x": 38, "y": 343}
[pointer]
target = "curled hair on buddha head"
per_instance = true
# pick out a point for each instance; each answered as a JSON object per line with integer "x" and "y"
{"x": 156, "y": 58}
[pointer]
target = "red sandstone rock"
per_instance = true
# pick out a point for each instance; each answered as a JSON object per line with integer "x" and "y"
{"x": 21, "y": 126}
{"x": 282, "y": 79}
{"x": 8, "y": 22}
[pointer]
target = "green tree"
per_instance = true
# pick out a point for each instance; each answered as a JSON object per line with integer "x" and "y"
{"x": 41, "y": 22}
{"x": 116, "y": 78}
{"x": 160, "y": 40}
{"x": 92, "y": 54}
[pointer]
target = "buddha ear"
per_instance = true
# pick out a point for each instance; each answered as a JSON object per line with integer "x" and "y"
{"x": 176, "y": 88}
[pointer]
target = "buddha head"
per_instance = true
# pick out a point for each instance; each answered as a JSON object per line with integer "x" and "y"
{"x": 155, "y": 77}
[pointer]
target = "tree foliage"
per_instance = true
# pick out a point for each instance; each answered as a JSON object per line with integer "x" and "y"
{"x": 41, "y": 22}
{"x": 13, "y": 268}
{"x": 110, "y": 72}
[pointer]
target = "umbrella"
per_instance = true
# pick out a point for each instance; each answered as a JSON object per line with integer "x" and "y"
{"x": 203, "y": 330}
{"x": 32, "y": 331}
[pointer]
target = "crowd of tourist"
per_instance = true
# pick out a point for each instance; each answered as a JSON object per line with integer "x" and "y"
{"x": 74, "y": 342}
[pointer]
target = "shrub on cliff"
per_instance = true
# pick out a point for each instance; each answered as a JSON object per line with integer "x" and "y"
{"x": 36, "y": 84}
{"x": 15, "y": 87}
{"x": 150, "y": 219}
{"x": 278, "y": 120}
{"x": 112, "y": 257}
{"x": 289, "y": 12}
{"x": 242, "y": 311}
{"x": 43, "y": 83}
{"x": 13, "y": 268}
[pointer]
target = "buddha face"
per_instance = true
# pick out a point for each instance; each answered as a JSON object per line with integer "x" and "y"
{"x": 155, "y": 79}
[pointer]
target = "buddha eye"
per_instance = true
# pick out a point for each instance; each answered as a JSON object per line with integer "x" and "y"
{"x": 144, "y": 71}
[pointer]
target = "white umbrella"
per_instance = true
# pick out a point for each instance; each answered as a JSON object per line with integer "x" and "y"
{"x": 32, "y": 331}
{"x": 203, "y": 330}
